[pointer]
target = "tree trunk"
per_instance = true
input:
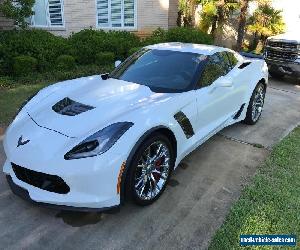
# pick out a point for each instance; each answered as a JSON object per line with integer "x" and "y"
{"x": 242, "y": 24}
{"x": 254, "y": 42}
{"x": 218, "y": 34}
{"x": 193, "y": 12}
{"x": 214, "y": 26}
{"x": 179, "y": 18}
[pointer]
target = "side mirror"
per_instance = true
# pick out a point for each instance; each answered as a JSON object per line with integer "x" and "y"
{"x": 224, "y": 82}
{"x": 117, "y": 63}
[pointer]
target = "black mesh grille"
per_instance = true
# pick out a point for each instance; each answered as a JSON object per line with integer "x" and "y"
{"x": 70, "y": 108}
{"x": 51, "y": 183}
{"x": 282, "y": 51}
{"x": 281, "y": 55}
{"x": 283, "y": 45}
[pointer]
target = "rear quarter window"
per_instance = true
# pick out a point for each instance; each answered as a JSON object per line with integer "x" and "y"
{"x": 232, "y": 59}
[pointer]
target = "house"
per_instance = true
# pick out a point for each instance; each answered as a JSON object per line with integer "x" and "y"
{"x": 62, "y": 17}
{"x": 5, "y": 24}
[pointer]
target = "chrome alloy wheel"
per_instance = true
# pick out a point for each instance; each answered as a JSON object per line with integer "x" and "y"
{"x": 258, "y": 102}
{"x": 152, "y": 171}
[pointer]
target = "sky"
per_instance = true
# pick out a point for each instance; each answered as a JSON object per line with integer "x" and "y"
{"x": 291, "y": 13}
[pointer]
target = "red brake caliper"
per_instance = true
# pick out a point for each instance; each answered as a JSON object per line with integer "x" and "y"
{"x": 157, "y": 166}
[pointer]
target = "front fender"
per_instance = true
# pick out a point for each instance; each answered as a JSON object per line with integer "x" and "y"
{"x": 131, "y": 155}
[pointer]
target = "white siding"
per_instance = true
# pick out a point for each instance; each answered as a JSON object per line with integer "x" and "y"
{"x": 152, "y": 14}
{"x": 82, "y": 14}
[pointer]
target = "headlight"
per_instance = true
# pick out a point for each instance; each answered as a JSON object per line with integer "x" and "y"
{"x": 99, "y": 142}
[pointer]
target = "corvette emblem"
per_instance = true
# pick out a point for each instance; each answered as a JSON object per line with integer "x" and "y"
{"x": 21, "y": 142}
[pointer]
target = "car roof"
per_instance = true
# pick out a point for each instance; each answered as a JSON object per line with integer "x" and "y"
{"x": 202, "y": 49}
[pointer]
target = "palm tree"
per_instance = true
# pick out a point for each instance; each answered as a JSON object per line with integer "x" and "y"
{"x": 224, "y": 9}
{"x": 242, "y": 23}
{"x": 186, "y": 13}
{"x": 215, "y": 14}
{"x": 266, "y": 21}
{"x": 208, "y": 16}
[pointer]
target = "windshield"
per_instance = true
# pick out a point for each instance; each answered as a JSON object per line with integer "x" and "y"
{"x": 161, "y": 70}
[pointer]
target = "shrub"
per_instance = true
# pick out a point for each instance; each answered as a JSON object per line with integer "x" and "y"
{"x": 188, "y": 35}
{"x": 24, "y": 65}
{"x": 86, "y": 46}
{"x": 104, "y": 58}
{"x": 87, "y": 43}
{"x": 120, "y": 42}
{"x": 133, "y": 50}
{"x": 40, "y": 44}
{"x": 65, "y": 62}
{"x": 2, "y": 62}
{"x": 179, "y": 34}
{"x": 158, "y": 36}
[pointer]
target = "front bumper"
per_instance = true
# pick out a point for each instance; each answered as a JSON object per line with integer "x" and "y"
{"x": 24, "y": 194}
{"x": 286, "y": 68}
{"x": 92, "y": 182}
{"x": 95, "y": 197}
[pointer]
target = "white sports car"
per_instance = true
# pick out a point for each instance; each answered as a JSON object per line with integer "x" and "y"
{"x": 87, "y": 143}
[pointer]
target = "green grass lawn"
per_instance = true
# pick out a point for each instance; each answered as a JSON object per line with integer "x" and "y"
{"x": 12, "y": 98}
{"x": 15, "y": 90}
{"x": 271, "y": 204}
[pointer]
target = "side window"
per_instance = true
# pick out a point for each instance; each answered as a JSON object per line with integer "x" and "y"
{"x": 225, "y": 61}
{"x": 232, "y": 59}
{"x": 214, "y": 68}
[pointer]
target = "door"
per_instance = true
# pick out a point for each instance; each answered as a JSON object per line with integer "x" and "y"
{"x": 214, "y": 94}
{"x": 239, "y": 78}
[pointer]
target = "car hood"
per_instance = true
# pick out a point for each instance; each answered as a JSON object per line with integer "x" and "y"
{"x": 111, "y": 100}
{"x": 288, "y": 37}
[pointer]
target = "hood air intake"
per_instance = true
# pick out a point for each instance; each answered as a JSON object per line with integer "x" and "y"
{"x": 70, "y": 108}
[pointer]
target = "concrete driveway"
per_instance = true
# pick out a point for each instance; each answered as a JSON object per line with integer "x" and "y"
{"x": 194, "y": 205}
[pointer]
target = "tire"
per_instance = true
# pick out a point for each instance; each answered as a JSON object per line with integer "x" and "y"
{"x": 144, "y": 183}
{"x": 276, "y": 75}
{"x": 256, "y": 104}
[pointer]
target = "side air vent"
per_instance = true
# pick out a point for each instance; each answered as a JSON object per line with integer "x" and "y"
{"x": 239, "y": 112}
{"x": 185, "y": 124}
{"x": 244, "y": 65}
{"x": 70, "y": 108}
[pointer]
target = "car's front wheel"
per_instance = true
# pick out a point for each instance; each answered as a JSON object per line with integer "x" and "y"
{"x": 150, "y": 169}
{"x": 256, "y": 104}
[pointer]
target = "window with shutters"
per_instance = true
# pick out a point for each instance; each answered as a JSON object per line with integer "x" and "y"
{"x": 48, "y": 13}
{"x": 116, "y": 14}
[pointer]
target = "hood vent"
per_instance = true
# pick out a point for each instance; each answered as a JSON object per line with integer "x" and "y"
{"x": 70, "y": 108}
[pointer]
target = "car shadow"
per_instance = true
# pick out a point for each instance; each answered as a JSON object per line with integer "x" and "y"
{"x": 79, "y": 219}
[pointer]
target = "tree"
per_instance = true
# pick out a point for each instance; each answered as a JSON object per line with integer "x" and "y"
{"x": 224, "y": 9}
{"x": 242, "y": 23}
{"x": 208, "y": 15}
{"x": 186, "y": 13}
{"x": 215, "y": 14}
{"x": 17, "y": 10}
{"x": 266, "y": 21}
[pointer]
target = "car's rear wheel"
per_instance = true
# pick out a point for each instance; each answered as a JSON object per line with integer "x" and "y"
{"x": 150, "y": 169}
{"x": 256, "y": 104}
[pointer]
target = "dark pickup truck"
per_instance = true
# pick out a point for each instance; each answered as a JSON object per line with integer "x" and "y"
{"x": 282, "y": 55}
